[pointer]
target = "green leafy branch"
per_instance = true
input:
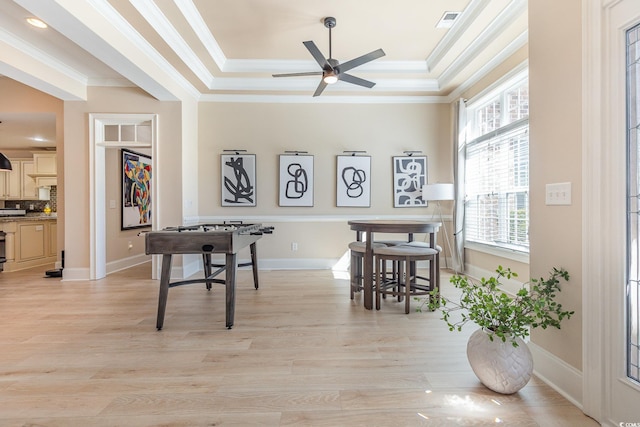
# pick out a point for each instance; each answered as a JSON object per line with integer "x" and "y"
{"x": 501, "y": 315}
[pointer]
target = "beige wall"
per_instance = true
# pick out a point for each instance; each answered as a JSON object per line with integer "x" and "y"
{"x": 168, "y": 162}
{"x": 324, "y": 130}
{"x": 555, "y": 65}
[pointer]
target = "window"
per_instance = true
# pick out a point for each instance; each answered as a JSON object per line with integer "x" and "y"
{"x": 497, "y": 168}
{"x": 633, "y": 203}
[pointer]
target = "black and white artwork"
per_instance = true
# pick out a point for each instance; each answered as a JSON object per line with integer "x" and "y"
{"x": 353, "y": 181}
{"x": 238, "y": 179}
{"x": 409, "y": 175}
{"x": 296, "y": 180}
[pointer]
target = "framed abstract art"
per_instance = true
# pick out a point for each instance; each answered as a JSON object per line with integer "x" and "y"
{"x": 409, "y": 175}
{"x": 238, "y": 179}
{"x": 353, "y": 181}
{"x": 296, "y": 180}
{"x": 136, "y": 190}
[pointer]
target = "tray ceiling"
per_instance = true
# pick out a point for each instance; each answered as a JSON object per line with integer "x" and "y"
{"x": 228, "y": 49}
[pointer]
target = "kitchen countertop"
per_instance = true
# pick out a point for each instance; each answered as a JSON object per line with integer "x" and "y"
{"x": 29, "y": 217}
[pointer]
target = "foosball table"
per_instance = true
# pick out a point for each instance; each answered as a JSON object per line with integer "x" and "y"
{"x": 205, "y": 239}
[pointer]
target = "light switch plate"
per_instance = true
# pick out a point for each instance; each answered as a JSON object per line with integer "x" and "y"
{"x": 558, "y": 193}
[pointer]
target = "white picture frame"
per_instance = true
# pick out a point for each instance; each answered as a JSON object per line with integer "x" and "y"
{"x": 238, "y": 179}
{"x": 353, "y": 181}
{"x": 409, "y": 175}
{"x": 296, "y": 180}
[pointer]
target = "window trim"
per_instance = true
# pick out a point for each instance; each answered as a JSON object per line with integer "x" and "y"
{"x": 497, "y": 91}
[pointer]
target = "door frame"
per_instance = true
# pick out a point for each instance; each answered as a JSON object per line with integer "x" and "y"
{"x": 97, "y": 184}
{"x": 608, "y": 395}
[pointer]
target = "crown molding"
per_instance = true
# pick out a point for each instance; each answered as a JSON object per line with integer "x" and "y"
{"x": 200, "y": 28}
{"x": 310, "y": 83}
{"x": 471, "y": 12}
{"x": 297, "y": 66}
{"x": 308, "y": 99}
{"x": 509, "y": 13}
{"x": 126, "y": 29}
{"x": 154, "y": 16}
{"x": 519, "y": 42}
{"x": 42, "y": 57}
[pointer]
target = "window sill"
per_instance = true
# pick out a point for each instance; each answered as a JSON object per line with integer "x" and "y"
{"x": 513, "y": 255}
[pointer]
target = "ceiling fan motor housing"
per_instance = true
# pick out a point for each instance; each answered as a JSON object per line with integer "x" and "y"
{"x": 329, "y": 22}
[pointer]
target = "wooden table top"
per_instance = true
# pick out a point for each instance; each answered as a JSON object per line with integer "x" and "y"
{"x": 395, "y": 225}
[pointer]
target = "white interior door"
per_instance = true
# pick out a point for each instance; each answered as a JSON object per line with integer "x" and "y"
{"x": 622, "y": 35}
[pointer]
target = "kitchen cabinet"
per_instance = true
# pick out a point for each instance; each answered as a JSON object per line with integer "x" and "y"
{"x": 45, "y": 169}
{"x": 30, "y": 242}
{"x": 52, "y": 249}
{"x": 45, "y": 163}
{"x": 14, "y": 181}
{"x": 11, "y": 182}
{"x": 28, "y": 189}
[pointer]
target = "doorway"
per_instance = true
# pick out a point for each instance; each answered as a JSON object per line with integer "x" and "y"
{"x": 113, "y": 131}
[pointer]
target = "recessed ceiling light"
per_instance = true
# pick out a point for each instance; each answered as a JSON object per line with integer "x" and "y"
{"x": 37, "y": 23}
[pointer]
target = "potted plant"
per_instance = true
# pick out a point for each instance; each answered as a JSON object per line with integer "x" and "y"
{"x": 497, "y": 353}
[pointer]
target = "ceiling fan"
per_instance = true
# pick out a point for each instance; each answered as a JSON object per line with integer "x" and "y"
{"x": 332, "y": 70}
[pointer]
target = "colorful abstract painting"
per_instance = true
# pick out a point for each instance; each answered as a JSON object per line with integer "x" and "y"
{"x": 136, "y": 190}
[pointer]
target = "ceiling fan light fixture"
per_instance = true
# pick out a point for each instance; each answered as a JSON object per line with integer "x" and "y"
{"x": 330, "y": 78}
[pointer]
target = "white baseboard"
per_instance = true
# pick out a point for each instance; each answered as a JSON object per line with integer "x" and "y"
{"x": 74, "y": 274}
{"x": 194, "y": 266}
{"x": 567, "y": 380}
{"x": 125, "y": 263}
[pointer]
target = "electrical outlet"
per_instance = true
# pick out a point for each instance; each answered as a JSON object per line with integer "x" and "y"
{"x": 31, "y": 207}
{"x": 294, "y": 246}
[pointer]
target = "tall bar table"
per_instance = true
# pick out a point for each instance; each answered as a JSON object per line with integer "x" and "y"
{"x": 370, "y": 227}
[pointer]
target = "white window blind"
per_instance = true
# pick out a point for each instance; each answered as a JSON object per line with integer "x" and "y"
{"x": 497, "y": 171}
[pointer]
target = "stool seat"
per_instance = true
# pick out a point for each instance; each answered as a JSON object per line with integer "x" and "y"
{"x": 405, "y": 284}
{"x": 393, "y": 242}
{"x": 362, "y": 246}
{"x": 417, "y": 252}
{"x": 421, "y": 245}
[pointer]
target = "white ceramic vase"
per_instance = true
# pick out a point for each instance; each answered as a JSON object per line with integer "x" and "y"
{"x": 499, "y": 365}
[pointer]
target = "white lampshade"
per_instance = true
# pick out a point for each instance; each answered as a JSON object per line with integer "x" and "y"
{"x": 437, "y": 192}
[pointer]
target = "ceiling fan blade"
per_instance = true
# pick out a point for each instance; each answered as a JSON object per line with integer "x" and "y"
{"x": 310, "y": 73}
{"x": 320, "y": 88}
{"x": 355, "y": 80}
{"x": 362, "y": 60}
{"x": 317, "y": 55}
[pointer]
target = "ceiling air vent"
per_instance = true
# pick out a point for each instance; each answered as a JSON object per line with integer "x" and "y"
{"x": 448, "y": 19}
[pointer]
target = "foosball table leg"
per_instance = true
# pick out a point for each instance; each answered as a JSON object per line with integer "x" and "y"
{"x": 165, "y": 276}
{"x": 254, "y": 263}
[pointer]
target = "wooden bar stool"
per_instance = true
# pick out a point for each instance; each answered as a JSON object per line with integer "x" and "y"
{"x": 405, "y": 283}
{"x": 357, "y": 250}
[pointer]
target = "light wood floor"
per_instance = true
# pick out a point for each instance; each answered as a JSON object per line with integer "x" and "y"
{"x": 301, "y": 353}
